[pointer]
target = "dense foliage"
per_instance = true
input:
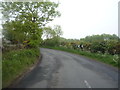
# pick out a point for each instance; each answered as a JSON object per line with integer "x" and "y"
{"x": 24, "y": 21}
{"x": 52, "y": 36}
{"x": 23, "y": 26}
{"x": 104, "y": 43}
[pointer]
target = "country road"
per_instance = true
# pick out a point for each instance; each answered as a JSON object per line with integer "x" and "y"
{"x": 60, "y": 69}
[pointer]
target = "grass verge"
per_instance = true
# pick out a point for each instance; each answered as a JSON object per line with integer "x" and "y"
{"x": 105, "y": 58}
{"x": 16, "y": 62}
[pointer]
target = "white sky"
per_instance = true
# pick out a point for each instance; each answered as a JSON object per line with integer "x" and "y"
{"x": 80, "y": 18}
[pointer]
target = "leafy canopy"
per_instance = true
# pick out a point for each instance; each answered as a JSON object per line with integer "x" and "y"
{"x": 26, "y": 20}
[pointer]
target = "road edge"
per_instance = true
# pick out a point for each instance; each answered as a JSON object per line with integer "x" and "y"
{"x": 93, "y": 59}
{"x": 27, "y": 71}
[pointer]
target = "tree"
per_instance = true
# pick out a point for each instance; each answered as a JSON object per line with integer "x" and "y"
{"x": 52, "y": 35}
{"x": 49, "y": 32}
{"x": 12, "y": 32}
{"x": 57, "y": 30}
{"x": 27, "y": 19}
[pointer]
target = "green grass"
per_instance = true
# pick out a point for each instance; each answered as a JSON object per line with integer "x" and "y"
{"x": 105, "y": 58}
{"x": 16, "y": 62}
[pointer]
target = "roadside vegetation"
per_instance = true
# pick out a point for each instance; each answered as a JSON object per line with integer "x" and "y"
{"x": 16, "y": 62}
{"x": 23, "y": 26}
{"x": 105, "y": 58}
{"x": 103, "y": 48}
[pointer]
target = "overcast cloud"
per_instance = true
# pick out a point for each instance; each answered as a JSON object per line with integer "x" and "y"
{"x": 81, "y": 18}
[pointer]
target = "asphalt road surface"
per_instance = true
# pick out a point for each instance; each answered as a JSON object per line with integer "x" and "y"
{"x": 60, "y": 69}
